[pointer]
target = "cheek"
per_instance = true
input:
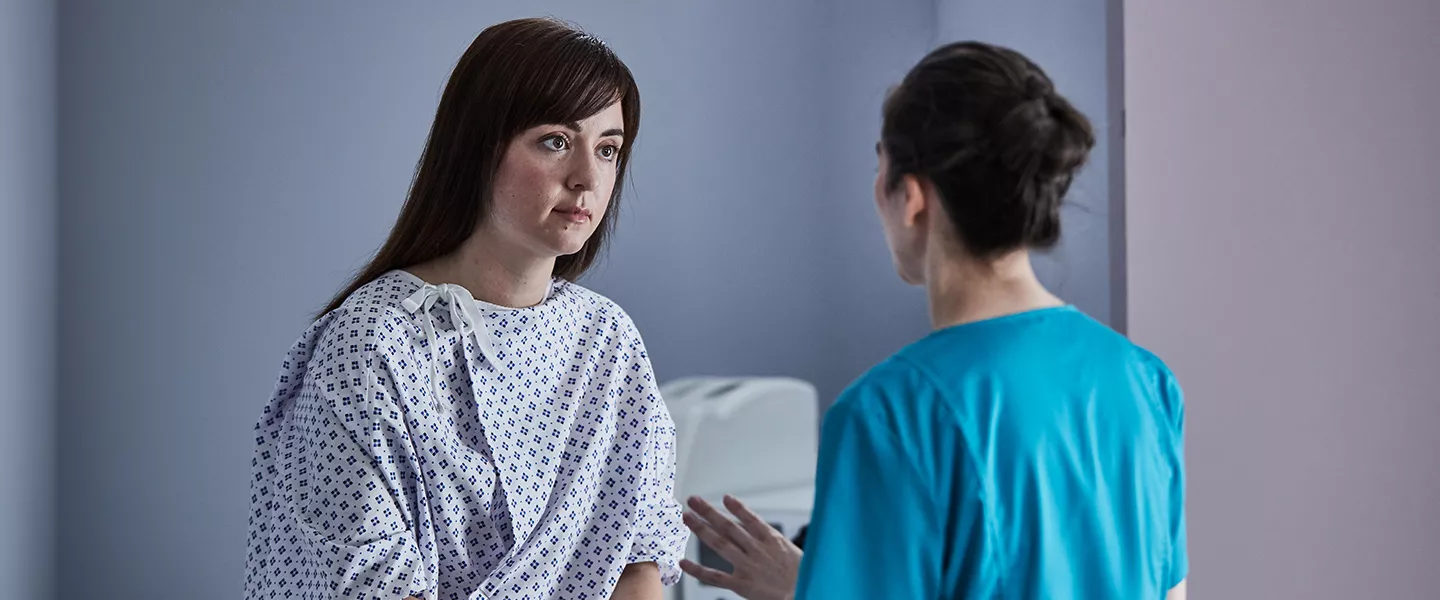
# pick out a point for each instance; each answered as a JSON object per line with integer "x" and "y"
{"x": 890, "y": 219}
{"x": 506, "y": 204}
{"x": 605, "y": 191}
{"x": 905, "y": 242}
{"x": 518, "y": 188}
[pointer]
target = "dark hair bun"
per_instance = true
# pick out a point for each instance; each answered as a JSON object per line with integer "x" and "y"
{"x": 986, "y": 126}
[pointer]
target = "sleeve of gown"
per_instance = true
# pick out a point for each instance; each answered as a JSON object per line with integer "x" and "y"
{"x": 354, "y": 479}
{"x": 659, "y": 534}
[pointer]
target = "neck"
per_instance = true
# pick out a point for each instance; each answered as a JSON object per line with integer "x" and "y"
{"x": 491, "y": 273}
{"x": 969, "y": 290}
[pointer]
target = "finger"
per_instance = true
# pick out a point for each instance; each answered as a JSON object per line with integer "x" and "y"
{"x": 723, "y": 524}
{"x": 708, "y": 576}
{"x": 716, "y": 541}
{"x": 754, "y": 525}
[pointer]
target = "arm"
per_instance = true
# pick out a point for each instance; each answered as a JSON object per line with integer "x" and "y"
{"x": 867, "y": 488}
{"x": 353, "y": 511}
{"x": 1179, "y": 557}
{"x": 874, "y": 485}
{"x": 658, "y": 535}
{"x": 639, "y": 581}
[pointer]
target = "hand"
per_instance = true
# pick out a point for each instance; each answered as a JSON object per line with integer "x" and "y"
{"x": 766, "y": 563}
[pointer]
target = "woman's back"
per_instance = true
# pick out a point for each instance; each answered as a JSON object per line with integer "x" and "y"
{"x": 1036, "y": 455}
{"x": 1021, "y": 450}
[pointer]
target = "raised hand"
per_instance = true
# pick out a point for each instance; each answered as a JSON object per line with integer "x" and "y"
{"x": 766, "y": 562}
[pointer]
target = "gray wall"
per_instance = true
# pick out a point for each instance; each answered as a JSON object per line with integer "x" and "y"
{"x": 1282, "y": 208}
{"x": 27, "y": 295}
{"x": 869, "y": 313}
{"x": 225, "y": 166}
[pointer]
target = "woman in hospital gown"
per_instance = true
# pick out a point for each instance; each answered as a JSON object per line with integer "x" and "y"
{"x": 1021, "y": 450}
{"x": 464, "y": 421}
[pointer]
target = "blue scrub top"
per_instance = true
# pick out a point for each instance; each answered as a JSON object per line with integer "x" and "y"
{"x": 1037, "y": 455}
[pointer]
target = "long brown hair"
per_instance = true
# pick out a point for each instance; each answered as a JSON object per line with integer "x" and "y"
{"x": 514, "y": 76}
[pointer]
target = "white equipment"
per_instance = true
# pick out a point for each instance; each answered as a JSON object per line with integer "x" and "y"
{"x": 754, "y": 438}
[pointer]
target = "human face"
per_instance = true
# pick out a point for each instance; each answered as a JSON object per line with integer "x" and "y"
{"x": 554, "y": 184}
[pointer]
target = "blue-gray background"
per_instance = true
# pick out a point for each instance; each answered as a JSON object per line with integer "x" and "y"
{"x": 223, "y": 166}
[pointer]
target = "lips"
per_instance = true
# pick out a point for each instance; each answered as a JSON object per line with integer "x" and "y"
{"x": 577, "y": 214}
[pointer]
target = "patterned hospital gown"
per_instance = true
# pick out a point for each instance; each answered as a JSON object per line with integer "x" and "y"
{"x": 422, "y": 443}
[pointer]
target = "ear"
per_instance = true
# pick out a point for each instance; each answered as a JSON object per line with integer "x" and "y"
{"x": 913, "y": 209}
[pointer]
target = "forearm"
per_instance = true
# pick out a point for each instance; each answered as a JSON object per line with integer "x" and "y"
{"x": 639, "y": 581}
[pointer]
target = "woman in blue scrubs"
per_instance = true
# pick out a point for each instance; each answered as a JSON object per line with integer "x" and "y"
{"x": 1021, "y": 450}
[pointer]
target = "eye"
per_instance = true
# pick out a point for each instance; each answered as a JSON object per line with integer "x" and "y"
{"x": 555, "y": 143}
{"x": 609, "y": 151}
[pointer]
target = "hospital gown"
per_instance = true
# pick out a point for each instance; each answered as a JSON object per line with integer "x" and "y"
{"x": 422, "y": 443}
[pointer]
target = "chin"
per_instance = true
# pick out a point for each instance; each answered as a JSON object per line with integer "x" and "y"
{"x": 569, "y": 246}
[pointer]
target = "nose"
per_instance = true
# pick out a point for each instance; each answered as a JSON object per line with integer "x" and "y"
{"x": 585, "y": 172}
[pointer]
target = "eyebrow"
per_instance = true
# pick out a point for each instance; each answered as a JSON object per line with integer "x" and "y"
{"x": 575, "y": 127}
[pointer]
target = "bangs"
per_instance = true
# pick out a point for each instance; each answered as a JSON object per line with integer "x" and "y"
{"x": 582, "y": 77}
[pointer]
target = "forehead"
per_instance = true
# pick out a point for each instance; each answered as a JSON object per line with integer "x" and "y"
{"x": 607, "y": 122}
{"x": 609, "y": 117}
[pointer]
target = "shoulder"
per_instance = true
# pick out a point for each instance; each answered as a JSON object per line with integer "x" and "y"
{"x": 1164, "y": 384}
{"x": 596, "y": 310}
{"x": 364, "y": 360}
{"x": 371, "y": 323}
{"x": 1153, "y": 364}
{"x": 1142, "y": 368}
{"x": 880, "y": 384}
{"x": 599, "y": 305}
{"x": 898, "y": 379}
{"x": 383, "y": 296}
{"x": 895, "y": 419}
{"x": 1100, "y": 339}
{"x": 894, "y": 395}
